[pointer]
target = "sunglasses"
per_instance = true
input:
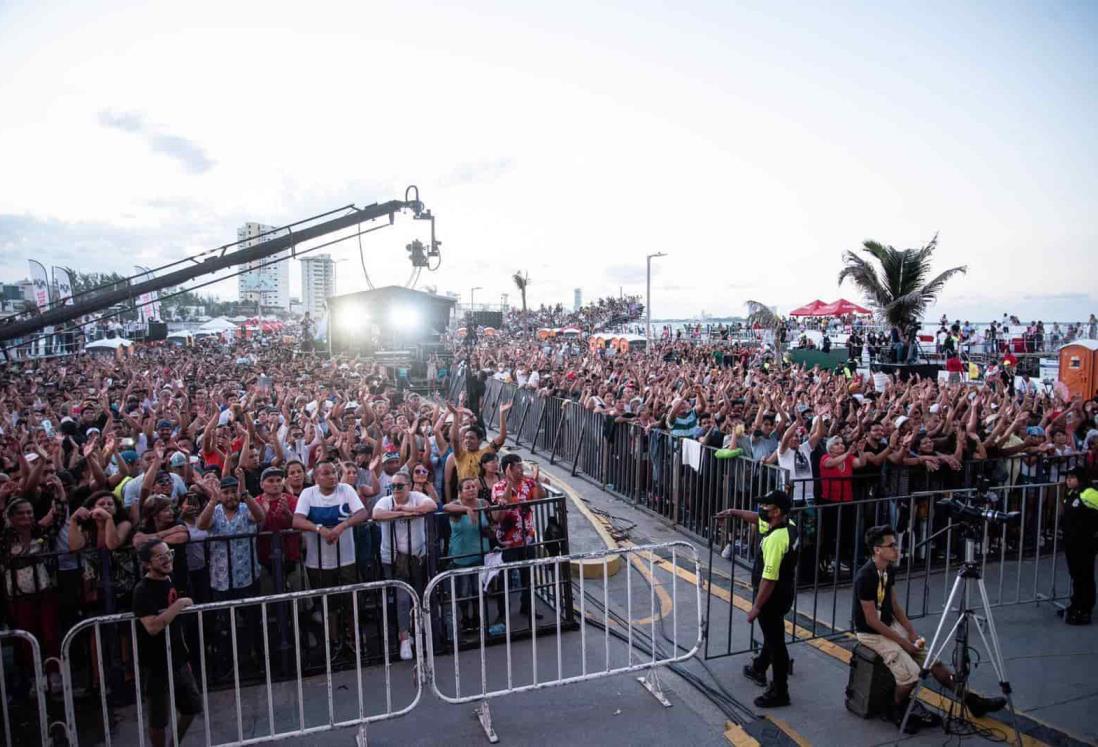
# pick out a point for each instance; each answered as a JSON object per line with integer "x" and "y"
{"x": 399, "y": 485}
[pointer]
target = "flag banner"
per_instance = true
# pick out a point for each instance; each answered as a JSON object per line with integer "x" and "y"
{"x": 41, "y": 284}
{"x": 63, "y": 279}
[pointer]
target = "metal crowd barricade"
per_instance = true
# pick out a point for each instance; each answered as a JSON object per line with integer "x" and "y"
{"x": 273, "y": 704}
{"x": 606, "y": 643}
{"x": 24, "y": 711}
{"x": 1020, "y": 564}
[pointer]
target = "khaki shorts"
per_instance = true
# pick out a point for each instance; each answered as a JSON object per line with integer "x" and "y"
{"x": 903, "y": 666}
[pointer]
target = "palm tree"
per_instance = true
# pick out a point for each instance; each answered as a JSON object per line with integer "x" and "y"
{"x": 896, "y": 287}
{"x": 762, "y": 315}
{"x": 521, "y": 282}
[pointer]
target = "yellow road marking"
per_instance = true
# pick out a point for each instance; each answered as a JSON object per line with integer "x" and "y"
{"x": 737, "y": 737}
{"x": 789, "y": 730}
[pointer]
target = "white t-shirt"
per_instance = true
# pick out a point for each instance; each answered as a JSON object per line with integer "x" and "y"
{"x": 328, "y": 511}
{"x": 798, "y": 463}
{"x": 413, "y": 529}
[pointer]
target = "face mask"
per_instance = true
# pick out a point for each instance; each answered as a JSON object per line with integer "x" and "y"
{"x": 764, "y": 514}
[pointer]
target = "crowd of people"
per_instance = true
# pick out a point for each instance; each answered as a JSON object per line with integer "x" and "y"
{"x": 228, "y": 470}
{"x": 603, "y": 313}
{"x": 836, "y": 436}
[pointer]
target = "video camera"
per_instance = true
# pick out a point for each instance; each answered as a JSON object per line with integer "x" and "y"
{"x": 979, "y": 505}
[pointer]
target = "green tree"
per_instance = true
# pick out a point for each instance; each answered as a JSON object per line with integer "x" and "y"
{"x": 895, "y": 281}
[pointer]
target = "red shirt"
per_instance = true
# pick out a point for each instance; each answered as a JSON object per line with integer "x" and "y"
{"x": 954, "y": 365}
{"x": 837, "y": 486}
{"x": 278, "y": 520}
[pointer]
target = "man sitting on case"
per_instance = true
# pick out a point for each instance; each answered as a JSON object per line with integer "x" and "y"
{"x": 881, "y": 624}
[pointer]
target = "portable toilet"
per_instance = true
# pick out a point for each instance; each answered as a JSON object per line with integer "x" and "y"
{"x": 1079, "y": 367}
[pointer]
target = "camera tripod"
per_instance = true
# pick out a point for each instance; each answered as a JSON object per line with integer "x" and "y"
{"x": 966, "y": 618}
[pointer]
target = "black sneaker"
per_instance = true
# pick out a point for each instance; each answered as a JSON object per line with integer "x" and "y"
{"x": 759, "y": 678}
{"x": 772, "y": 699}
{"x": 978, "y": 705}
{"x": 913, "y": 723}
{"x": 1073, "y": 617}
{"x": 925, "y": 717}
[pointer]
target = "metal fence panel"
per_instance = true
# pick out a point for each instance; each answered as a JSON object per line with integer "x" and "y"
{"x": 24, "y": 710}
{"x": 531, "y": 658}
{"x": 232, "y": 676}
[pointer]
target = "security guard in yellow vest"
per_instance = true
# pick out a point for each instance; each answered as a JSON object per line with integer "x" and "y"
{"x": 773, "y": 580}
{"x": 1080, "y": 523}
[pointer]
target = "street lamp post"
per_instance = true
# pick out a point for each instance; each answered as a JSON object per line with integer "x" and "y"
{"x": 648, "y": 297}
{"x": 471, "y": 292}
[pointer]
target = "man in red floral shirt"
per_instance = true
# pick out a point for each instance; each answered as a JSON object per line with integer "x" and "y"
{"x": 514, "y": 522}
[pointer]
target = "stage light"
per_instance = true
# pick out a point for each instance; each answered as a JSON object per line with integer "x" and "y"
{"x": 351, "y": 318}
{"x": 404, "y": 318}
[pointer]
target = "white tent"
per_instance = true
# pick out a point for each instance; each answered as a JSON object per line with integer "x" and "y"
{"x": 112, "y": 343}
{"x": 180, "y": 334}
{"x": 216, "y": 327}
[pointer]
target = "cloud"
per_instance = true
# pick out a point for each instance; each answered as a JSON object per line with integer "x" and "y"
{"x": 187, "y": 152}
{"x": 626, "y": 274}
{"x": 94, "y": 246}
{"x": 477, "y": 172}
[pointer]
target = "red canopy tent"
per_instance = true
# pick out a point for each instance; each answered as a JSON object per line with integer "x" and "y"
{"x": 842, "y": 307}
{"x": 809, "y": 309}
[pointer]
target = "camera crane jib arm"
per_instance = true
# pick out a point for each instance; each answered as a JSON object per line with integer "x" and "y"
{"x": 260, "y": 251}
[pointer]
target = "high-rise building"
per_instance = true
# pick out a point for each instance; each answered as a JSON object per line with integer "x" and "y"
{"x": 577, "y": 299}
{"x": 267, "y": 281}
{"x": 317, "y": 283}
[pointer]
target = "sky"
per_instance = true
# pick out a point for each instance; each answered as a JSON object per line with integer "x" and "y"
{"x": 752, "y": 142}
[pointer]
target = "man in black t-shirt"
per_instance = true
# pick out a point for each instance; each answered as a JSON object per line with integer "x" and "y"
{"x": 156, "y": 603}
{"x": 881, "y": 624}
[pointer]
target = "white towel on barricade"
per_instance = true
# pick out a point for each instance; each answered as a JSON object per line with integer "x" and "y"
{"x": 492, "y": 562}
{"x": 692, "y": 454}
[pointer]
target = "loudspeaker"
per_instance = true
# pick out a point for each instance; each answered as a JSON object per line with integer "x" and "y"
{"x": 870, "y": 689}
{"x": 488, "y": 319}
{"x": 157, "y": 331}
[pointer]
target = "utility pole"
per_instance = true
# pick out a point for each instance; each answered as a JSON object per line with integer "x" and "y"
{"x": 648, "y": 296}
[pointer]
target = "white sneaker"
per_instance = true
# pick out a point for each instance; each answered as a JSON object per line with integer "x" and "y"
{"x": 406, "y": 649}
{"x": 726, "y": 553}
{"x": 318, "y": 616}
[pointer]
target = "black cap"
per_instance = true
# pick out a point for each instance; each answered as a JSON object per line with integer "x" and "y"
{"x": 777, "y": 498}
{"x": 229, "y": 482}
{"x": 1080, "y": 474}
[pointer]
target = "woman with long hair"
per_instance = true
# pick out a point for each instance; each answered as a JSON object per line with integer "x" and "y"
{"x": 28, "y": 582}
{"x": 296, "y": 477}
{"x": 102, "y": 525}
{"x": 489, "y": 475}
